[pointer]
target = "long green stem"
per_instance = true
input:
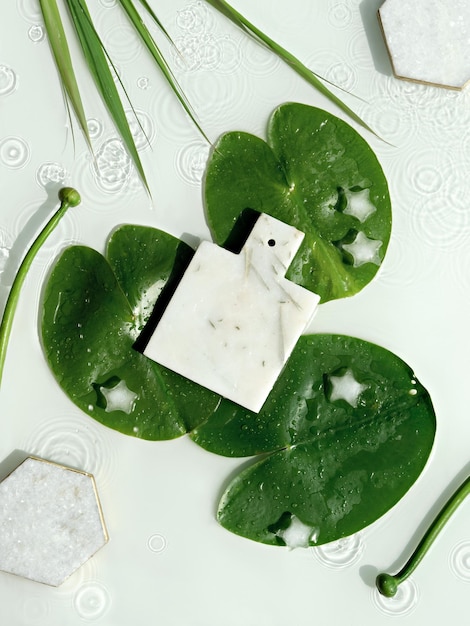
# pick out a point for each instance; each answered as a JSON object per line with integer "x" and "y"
{"x": 388, "y": 584}
{"x": 68, "y": 198}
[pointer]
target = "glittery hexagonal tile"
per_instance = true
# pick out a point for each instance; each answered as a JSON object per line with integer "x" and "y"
{"x": 50, "y": 521}
{"x": 428, "y": 40}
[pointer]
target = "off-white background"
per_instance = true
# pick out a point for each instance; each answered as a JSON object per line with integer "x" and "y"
{"x": 167, "y": 561}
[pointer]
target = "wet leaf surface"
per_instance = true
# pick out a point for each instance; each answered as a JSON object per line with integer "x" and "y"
{"x": 342, "y": 437}
{"x": 316, "y": 173}
{"x": 347, "y": 428}
{"x": 94, "y": 309}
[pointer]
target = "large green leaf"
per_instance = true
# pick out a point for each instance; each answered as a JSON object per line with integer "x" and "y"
{"x": 345, "y": 432}
{"x": 316, "y": 173}
{"x": 342, "y": 436}
{"x": 94, "y": 310}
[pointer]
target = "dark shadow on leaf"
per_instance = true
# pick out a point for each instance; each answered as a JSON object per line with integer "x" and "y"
{"x": 240, "y": 232}
{"x": 234, "y": 243}
{"x": 183, "y": 257}
{"x": 348, "y": 239}
{"x": 111, "y": 382}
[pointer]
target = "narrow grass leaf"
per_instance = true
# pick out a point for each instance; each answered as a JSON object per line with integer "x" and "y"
{"x": 61, "y": 53}
{"x": 100, "y": 64}
{"x": 151, "y": 12}
{"x": 140, "y": 26}
{"x": 297, "y": 65}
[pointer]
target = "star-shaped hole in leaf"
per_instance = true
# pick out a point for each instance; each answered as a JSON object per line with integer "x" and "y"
{"x": 358, "y": 204}
{"x": 316, "y": 173}
{"x": 347, "y": 388}
{"x": 94, "y": 310}
{"x": 321, "y": 463}
{"x": 296, "y": 534}
{"x": 364, "y": 250}
{"x": 344, "y": 419}
{"x": 119, "y": 398}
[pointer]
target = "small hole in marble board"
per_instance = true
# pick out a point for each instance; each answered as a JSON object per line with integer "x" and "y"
{"x": 272, "y": 243}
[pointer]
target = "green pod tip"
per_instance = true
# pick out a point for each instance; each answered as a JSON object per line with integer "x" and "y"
{"x": 69, "y": 196}
{"x": 387, "y": 585}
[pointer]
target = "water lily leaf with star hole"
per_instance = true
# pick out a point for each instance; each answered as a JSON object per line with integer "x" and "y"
{"x": 341, "y": 438}
{"x": 318, "y": 174}
{"x": 94, "y": 308}
{"x": 343, "y": 435}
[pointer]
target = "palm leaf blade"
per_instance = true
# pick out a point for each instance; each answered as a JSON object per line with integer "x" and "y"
{"x": 152, "y": 47}
{"x": 98, "y": 63}
{"x": 61, "y": 53}
{"x": 313, "y": 79}
{"x": 151, "y": 12}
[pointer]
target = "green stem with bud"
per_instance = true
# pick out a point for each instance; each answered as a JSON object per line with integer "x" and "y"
{"x": 387, "y": 584}
{"x": 68, "y": 198}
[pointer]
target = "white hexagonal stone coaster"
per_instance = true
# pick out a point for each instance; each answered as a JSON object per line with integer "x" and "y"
{"x": 50, "y": 521}
{"x": 428, "y": 40}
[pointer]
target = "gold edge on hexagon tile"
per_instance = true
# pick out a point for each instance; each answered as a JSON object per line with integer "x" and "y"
{"x": 70, "y": 469}
{"x": 416, "y": 81}
{"x": 83, "y": 473}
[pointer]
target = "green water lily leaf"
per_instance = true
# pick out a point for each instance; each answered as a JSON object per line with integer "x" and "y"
{"x": 344, "y": 434}
{"x": 94, "y": 309}
{"x": 318, "y": 174}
